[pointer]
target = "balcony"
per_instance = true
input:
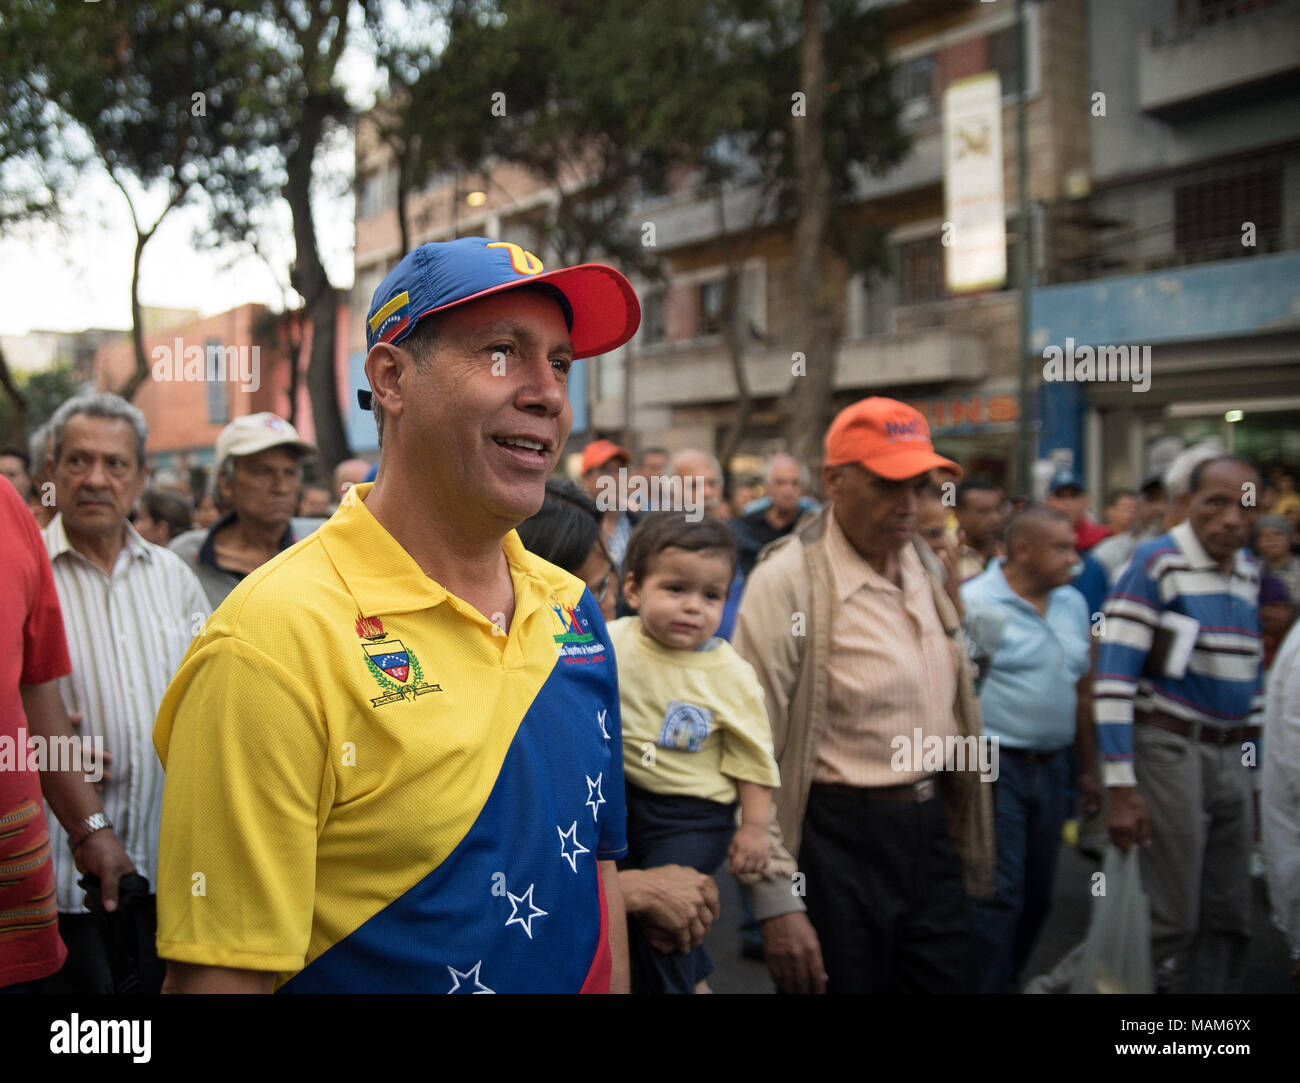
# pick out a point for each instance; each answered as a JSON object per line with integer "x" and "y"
{"x": 695, "y": 376}
{"x": 1231, "y": 50}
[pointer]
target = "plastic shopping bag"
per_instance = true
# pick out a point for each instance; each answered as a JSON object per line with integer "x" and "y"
{"x": 1117, "y": 949}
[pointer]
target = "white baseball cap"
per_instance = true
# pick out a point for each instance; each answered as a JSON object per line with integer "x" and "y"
{"x": 256, "y": 432}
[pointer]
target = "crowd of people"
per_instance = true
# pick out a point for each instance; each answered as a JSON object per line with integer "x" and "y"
{"x": 472, "y": 726}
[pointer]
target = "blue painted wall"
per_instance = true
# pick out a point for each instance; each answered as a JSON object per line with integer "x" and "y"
{"x": 1206, "y": 301}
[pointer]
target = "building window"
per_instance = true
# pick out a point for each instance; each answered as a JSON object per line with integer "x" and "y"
{"x": 218, "y": 410}
{"x": 914, "y": 87}
{"x": 378, "y": 192}
{"x": 920, "y": 271}
{"x": 654, "y": 318}
{"x": 1194, "y": 14}
{"x": 710, "y": 308}
{"x": 371, "y": 200}
{"x": 1210, "y": 217}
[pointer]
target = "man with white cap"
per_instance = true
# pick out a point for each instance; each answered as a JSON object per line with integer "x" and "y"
{"x": 394, "y": 756}
{"x": 259, "y": 472}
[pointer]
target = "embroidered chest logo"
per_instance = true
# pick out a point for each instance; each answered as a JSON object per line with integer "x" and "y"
{"x": 573, "y": 642}
{"x": 394, "y": 666}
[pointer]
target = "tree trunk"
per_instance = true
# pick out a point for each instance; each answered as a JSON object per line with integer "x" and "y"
{"x": 404, "y": 186}
{"x": 320, "y": 298}
{"x": 142, "y": 236}
{"x": 17, "y": 422}
{"x": 806, "y": 410}
{"x": 141, "y": 370}
{"x": 293, "y": 348}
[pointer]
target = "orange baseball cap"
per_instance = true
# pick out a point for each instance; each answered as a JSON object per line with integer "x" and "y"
{"x": 886, "y": 436}
{"x": 599, "y": 452}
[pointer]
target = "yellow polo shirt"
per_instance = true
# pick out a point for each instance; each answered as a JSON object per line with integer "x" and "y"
{"x": 369, "y": 788}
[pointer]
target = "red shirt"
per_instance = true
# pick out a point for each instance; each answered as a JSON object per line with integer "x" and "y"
{"x": 1087, "y": 534}
{"x": 32, "y": 651}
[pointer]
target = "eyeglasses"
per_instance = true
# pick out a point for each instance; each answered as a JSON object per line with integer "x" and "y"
{"x": 601, "y": 586}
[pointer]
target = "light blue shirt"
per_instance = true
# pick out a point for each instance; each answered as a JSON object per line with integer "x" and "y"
{"x": 1028, "y": 696}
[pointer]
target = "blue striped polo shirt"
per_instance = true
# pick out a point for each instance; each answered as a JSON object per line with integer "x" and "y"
{"x": 1222, "y": 683}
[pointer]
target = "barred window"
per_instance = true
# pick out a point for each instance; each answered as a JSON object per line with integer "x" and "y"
{"x": 654, "y": 318}
{"x": 1209, "y": 217}
{"x": 710, "y": 302}
{"x": 920, "y": 270}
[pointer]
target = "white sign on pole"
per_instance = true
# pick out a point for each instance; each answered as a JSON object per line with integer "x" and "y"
{"x": 976, "y": 252}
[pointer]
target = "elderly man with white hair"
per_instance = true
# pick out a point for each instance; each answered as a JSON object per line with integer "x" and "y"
{"x": 785, "y": 480}
{"x": 701, "y": 475}
{"x": 130, "y": 609}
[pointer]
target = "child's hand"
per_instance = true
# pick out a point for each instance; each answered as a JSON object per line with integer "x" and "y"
{"x": 749, "y": 850}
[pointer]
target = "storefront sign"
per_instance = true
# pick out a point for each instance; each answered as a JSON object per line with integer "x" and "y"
{"x": 964, "y": 412}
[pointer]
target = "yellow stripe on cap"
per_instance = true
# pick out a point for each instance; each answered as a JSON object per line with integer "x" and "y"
{"x": 397, "y": 302}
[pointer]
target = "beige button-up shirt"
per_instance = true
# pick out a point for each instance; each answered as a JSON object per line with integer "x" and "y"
{"x": 891, "y": 671}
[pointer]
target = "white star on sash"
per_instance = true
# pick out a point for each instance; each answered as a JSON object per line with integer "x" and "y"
{"x": 571, "y": 835}
{"x": 472, "y": 973}
{"x": 516, "y": 918}
{"x": 593, "y": 791}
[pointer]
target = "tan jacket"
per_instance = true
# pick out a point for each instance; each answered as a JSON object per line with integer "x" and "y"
{"x": 783, "y": 631}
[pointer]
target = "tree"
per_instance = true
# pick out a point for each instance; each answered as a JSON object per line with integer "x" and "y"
{"x": 153, "y": 93}
{"x": 297, "y": 104}
{"x": 606, "y": 102}
{"x": 828, "y": 116}
{"x": 34, "y": 397}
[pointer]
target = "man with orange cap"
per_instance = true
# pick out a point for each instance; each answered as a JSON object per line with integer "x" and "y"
{"x": 601, "y": 462}
{"x": 876, "y": 841}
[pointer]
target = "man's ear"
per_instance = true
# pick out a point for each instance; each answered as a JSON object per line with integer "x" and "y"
{"x": 385, "y": 364}
{"x": 830, "y": 480}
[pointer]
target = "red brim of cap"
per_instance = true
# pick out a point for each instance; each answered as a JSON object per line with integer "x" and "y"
{"x": 606, "y": 312}
{"x": 907, "y": 463}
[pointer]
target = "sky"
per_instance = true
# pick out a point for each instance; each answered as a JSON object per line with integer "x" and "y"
{"x": 78, "y": 274}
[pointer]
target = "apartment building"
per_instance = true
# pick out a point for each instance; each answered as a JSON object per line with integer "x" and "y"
{"x": 902, "y": 333}
{"x": 1188, "y": 237}
{"x": 207, "y": 371}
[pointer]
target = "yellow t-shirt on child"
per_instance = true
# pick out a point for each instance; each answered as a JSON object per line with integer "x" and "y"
{"x": 693, "y": 721}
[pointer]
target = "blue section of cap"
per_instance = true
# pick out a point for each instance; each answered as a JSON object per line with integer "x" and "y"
{"x": 439, "y": 274}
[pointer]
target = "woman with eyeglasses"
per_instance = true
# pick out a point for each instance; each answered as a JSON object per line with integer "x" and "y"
{"x": 566, "y": 531}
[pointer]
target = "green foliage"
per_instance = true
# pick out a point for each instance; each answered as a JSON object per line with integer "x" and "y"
{"x": 636, "y": 95}
{"x": 43, "y": 393}
{"x": 159, "y": 92}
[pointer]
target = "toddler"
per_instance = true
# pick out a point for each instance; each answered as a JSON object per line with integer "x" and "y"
{"x": 695, "y": 733}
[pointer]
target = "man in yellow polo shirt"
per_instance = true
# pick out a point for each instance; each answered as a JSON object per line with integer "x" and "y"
{"x": 393, "y": 756}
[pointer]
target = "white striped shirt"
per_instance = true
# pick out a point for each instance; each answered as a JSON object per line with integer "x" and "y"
{"x": 127, "y": 634}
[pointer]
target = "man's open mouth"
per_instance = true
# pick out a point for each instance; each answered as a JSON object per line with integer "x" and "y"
{"x": 524, "y": 447}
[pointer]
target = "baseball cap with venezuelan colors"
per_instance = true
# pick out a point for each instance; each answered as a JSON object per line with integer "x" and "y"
{"x": 886, "y": 436}
{"x": 600, "y": 305}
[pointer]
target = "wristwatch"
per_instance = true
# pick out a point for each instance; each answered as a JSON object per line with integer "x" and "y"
{"x": 96, "y": 821}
